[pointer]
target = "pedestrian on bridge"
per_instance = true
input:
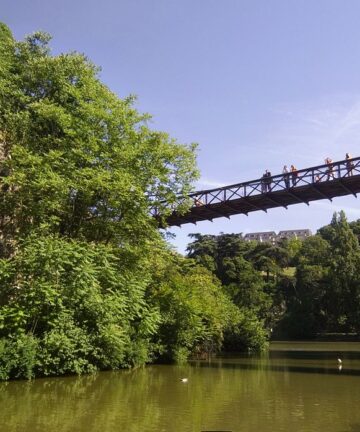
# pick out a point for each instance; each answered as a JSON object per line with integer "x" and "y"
{"x": 294, "y": 174}
{"x": 286, "y": 177}
{"x": 349, "y": 164}
{"x": 263, "y": 182}
{"x": 268, "y": 181}
{"x": 330, "y": 170}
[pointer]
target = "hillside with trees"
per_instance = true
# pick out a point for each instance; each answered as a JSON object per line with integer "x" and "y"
{"x": 297, "y": 289}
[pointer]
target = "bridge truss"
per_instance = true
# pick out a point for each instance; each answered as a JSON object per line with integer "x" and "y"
{"x": 320, "y": 182}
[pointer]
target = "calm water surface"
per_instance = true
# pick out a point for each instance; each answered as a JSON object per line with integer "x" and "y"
{"x": 296, "y": 387}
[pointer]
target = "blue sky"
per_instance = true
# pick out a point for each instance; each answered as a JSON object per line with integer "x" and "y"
{"x": 257, "y": 84}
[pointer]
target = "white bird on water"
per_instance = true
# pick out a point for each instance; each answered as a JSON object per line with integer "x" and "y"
{"x": 184, "y": 380}
{"x": 339, "y": 361}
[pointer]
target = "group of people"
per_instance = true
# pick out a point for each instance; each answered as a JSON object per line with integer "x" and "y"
{"x": 330, "y": 171}
{"x": 290, "y": 175}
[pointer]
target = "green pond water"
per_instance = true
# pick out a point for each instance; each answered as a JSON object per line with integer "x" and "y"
{"x": 296, "y": 387}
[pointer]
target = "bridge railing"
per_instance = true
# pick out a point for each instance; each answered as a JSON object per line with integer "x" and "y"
{"x": 288, "y": 181}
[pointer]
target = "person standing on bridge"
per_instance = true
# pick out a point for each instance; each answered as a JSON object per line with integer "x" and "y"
{"x": 286, "y": 177}
{"x": 330, "y": 170}
{"x": 349, "y": 164}
{"x": 294, "y": 174}
{"x": 263, "y": 182}
{"x": 268, "y": 181}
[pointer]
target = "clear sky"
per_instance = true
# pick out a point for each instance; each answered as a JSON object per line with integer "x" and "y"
{"x": 256, "y": 83}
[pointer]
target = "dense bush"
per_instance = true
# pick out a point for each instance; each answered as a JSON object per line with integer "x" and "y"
{"x": 195, "y": 310}
{"x": 77, "y": 305}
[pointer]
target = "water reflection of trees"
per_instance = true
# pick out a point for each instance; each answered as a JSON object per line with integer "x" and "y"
{"x": 217, "y": 396}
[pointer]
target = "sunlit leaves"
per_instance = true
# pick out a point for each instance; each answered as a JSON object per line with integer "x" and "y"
{"x": 80, "y": 160}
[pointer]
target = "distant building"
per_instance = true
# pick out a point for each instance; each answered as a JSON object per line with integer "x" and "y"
{"x": 299, "y": 233}
{"x": 272, "y": 237}
{"x": 262, "y": 237}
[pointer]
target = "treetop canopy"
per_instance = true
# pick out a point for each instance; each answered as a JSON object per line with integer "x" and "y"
{"x": 76, "y": 158}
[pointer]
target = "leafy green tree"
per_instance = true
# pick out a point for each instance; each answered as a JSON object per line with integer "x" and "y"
{"x": 80, "y": 175}
{"x": 355, "y": 227}
{"x": 326, "y": 294}
{"x": 211, "y": 250}
{"x": 225, "y": 255}
{"x": 343, "y": 296}
{"x": 269, "y": 258}
{"x": 203, "y": 249}
{"x": 305, "y": 315}
{"x": 244, "y": 284}
{"x": 194, "y": 308}
{"x": 78, "y": 160}
{"x": 292, "y": 248}
{"x": 78, "y": 303}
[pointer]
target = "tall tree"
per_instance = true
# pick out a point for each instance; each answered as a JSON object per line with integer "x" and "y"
{"x": 78, "y": 160}
{"x": 225, "y": 255}
{"x": 343, "y": 293}
{"x": 80, "y": 173}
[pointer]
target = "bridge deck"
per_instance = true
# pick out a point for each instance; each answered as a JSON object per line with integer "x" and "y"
{"x": 310, "y": 184}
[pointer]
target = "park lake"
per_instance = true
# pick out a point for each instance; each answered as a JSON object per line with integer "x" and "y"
{"x": 296, "y": 386}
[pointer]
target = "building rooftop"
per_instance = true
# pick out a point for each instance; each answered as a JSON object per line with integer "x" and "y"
{"x": 273, "y": 237}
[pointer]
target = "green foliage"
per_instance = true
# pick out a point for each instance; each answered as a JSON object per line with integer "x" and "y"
{"x": 80, "y": 172}
{"x": 342, "y": 299}
{"x": 85, "y": 311}
{"x": 248, "y": 334}
{"x": 326, "y": 297}
{"x": 320, "y": 294}
{"x": 245, "y": 285}
{"x": 194, "y": 309}
{"x": 18, "y": 357}
{"x": 87, "y": 282}
{"x": 355, "y": 228}
{"x": 305, "y": 316}
{"x": 79, "y": 161}
{"x": 237, "y": 265}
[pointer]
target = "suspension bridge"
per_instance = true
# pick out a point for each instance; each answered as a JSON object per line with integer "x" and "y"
{"x": 325, "y": 181}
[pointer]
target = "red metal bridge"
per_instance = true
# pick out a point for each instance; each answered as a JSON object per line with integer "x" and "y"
{"x": 302, "y": 186}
